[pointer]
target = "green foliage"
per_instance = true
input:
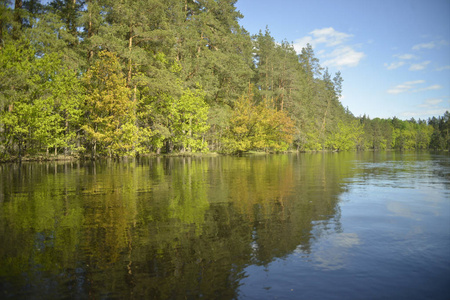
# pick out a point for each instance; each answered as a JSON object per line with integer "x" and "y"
{"x": 178, "y": 122}
{"x": 440, "y": 136}
{"x": 382, "y": 134}
{"x": 189, "y": 121}
{"x": 121, "y": 78}
{"x": 347, "y": 136}
{"x": 41, "y": 102}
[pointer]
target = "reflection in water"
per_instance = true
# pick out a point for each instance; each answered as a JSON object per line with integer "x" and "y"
{"x": 333, "y": 251}
{"x": 401, "y": 210}
{"x": 169, "y": 228}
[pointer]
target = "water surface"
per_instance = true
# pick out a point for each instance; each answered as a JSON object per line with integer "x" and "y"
{"x": 370, "y": 225}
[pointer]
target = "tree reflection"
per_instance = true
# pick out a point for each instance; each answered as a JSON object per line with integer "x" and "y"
{"x": 160, "y": 227}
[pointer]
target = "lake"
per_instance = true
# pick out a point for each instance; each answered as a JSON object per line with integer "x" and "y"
{"x": 363, "y": 225}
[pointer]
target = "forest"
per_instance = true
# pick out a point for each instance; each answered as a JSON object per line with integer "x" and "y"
{"x": 118, "y": 78}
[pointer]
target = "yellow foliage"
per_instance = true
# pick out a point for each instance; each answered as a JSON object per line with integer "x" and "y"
{"x": 258, "y": 126}
{"x": 109, "y": 125}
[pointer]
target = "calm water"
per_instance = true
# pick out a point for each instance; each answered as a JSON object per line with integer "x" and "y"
{"x": 307, "y": 226}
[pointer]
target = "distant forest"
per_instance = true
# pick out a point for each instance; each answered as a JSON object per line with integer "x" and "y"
{"x": 123, "y": 78}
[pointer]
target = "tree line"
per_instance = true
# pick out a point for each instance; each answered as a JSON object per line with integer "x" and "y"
{"x": 114, "y": 78}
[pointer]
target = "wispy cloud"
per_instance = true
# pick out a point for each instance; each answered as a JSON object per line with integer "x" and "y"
{"x": 403, "y": 59}
{"x": 431, "y": 103}
{"x": 443, "y": 68}
{"x": 428, "y": 88}
{"x": 428, "y": 108}
{"x": 419, "y": 66}
{"x": 411, "y": 86}
{"x": 424, "y": 114}
{"x": 394, "y": 65}
{"x": 429, "y": 45}
{"x": 406, "y": 56}
{"x": 404, "y": 87}
{"x": 339, "y": 54}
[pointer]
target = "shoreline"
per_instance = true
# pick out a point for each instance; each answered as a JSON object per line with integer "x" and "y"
{"x": 74, "y": 158}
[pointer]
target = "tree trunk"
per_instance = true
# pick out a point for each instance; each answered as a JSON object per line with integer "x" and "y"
{"x": 130, "y": 47}
{"x": 324, "y": 120}
{"x": 17, "y": 27}
{"x": 20, "y": 150}
{"x": 169, "y": 146}
{"x": 90, "y": 31}
{"x": 1, "y": 33}
{"x": 66, "y": 150}
{"x": 94, "y": 150}
{"x": 73, "y": 26}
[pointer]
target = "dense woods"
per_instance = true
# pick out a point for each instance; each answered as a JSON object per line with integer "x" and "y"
{"x": 115, "y": 78}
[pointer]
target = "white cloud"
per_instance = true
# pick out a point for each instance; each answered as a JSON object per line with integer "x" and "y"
{"x": 403, "y": 58}
{"x": 394, "y": 65}
{"x": 329, "y": 36}
{"x": 429, "y": 88}
{"x": 443, "y": 68}
{"x": 415, "y": 82}
{"x": 406, "y": 56}
{"x": 424, "y": 114}
{"x": 332, "y": 252}
{"x": 341, "y": 55}
{"x": 398, "y": 89}
{"x": 404, "y": 87}
{"x": 344, "y": 56}
{"x": 431, "y": 102}
{"x": 430, "y": 107}
{"x": 419, "y": 66}
{"x": 429, "y": 45}
{"x": 301, "y": 43}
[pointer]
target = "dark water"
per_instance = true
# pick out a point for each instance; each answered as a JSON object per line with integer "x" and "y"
{"x": 307, "y": 226}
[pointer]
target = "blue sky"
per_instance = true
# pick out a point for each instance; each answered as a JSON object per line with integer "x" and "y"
{"x": 394, "y": 55}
